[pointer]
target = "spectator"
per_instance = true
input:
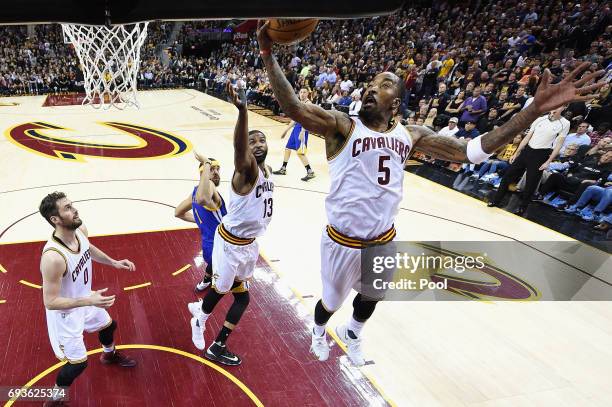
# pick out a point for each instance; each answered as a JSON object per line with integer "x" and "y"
{"x": 486, "y": 124}
{"x": 345, "y": 100}
{"x": 580, "y": 137}
{"x": 499, "y": 165}
{"x": 355, "y": 106}
{"x": 588, "y": 172}
{"x": 600, "y": 195}
{"x": 439, "y": 100}
{"x": 454, "y": 107}
{"x": 469, "y": 131}
{"x": 431, "y": 116}
{"x": 451, "y": 129}
{"x": 473, "y": 107}
{"x": 346, "y": 85}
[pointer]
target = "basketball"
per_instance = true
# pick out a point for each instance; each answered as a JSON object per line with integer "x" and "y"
{"x": 288, "y": 32}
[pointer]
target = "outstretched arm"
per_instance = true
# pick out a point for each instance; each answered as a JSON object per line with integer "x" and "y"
{"x": 332, "y": 125}
{"x": 548, "y": 97}
{"x": 245, "y": 165}
{"x": 206, "y": 194}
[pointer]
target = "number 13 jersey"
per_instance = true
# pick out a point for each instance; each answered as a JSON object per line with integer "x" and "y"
{"x": 367, "y": 178}
{"x": 248, "y": 215}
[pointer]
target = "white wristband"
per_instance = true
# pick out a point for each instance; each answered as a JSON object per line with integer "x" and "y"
{"x": 475, "y": 153}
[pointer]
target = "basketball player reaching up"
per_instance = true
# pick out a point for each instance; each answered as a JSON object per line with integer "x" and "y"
{"x": 205, "y": 207}
{"x": 235, "y": 250}
{"x": 366, "y": 165}
{"x": 298, "y": 141}
{"x": 71, "y": 306}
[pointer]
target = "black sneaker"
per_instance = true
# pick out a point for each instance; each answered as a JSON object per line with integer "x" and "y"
{"x": 282, "y": 171}
{"x": 308, "y": 176}
{"x": 221, "y": 354}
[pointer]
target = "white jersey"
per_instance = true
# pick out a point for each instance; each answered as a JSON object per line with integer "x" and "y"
{"x": 248, "y": 215}
{"x": 76, "y": 281}
{"x": 367, "y": 178}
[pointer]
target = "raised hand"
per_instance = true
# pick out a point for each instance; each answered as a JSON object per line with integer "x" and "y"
{"x": 551, "y": 96}
{"x": 265, "y": 43}
{"x": 234, "y": 97}
{"x": 99, "y": 300}
{"x": 200, "y": 157}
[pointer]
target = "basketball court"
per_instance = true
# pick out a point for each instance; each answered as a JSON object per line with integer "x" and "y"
{"x": 126, "y": 170}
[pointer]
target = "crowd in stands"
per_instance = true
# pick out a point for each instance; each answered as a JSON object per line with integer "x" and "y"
{"x": 38, "y": 60}
{"x": 467, "y": 68}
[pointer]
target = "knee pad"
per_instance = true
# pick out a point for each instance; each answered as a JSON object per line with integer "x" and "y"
{"x": 363, "y": 307}
{"x": 241, "y": 301}
{"x": 69, "y": 372}
{"x": 322, "y": 315}
{"x": 243, "y": 298}
{"x": 106, "y": 335}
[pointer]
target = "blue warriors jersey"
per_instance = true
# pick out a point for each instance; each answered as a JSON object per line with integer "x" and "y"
{"x": 207, "y": 218}
{"x": 294, "y": 142}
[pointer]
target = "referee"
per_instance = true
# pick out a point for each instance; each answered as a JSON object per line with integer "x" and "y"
{"x": 536, "y": 151}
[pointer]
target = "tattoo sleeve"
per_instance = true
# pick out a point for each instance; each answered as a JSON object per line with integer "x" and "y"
{"x": 314, "y": 118}
{"x": 504, "y": 134}
{"x": 283, "y": 91}
{"x": 452, "y": 149}
{"x": 436, "y": 145}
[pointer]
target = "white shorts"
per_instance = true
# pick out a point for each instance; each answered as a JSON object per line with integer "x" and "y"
{"x": 232, "y": 263}
{"x": 341, "y": 272}
{"x": 66, "y": 330}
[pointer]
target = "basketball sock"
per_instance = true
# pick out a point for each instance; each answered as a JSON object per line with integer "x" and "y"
{"x": 354, "y": 327}
{"x": 202, "y": 319}
{"x": 308, "y": 169}
{"x": 223, "y": 335}
{"x": 318, "y": 330}
{"x": 108, "y": 349}
{"x": 284, "y": 167}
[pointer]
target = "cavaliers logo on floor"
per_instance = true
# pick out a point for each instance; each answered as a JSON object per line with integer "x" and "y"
{"x": 151, "y": 143}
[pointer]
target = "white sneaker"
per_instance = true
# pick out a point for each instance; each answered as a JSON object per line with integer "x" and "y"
{"x": 320, "y": 347}
{"x": 353, "y": 345}
{"x": 197, "y": 331}
{"x": 197, "y": 334}
{"x": 202, "y": 285}
{"x": 195, "y": 308}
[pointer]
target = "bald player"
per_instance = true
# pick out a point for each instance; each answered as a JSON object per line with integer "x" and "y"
{"x": 366, "y": 165}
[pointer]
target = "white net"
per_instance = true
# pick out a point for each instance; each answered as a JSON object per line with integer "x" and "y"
{"x": 110, "y": 59}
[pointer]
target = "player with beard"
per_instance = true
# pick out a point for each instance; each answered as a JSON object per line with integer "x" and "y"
{"x": 205, "y": 207}
{"x": 235, "y": 250}
{"x": 71, "y": 306}
{"x": 366, "y": 165}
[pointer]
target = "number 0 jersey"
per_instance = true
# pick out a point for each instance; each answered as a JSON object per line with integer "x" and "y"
{"x": 248, "y": 215}
{"x": 367, "y": 178}
{"x": 76, "y": 281}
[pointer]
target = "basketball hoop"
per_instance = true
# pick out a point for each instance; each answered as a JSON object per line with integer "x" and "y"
{"x": 110, "y": 59}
